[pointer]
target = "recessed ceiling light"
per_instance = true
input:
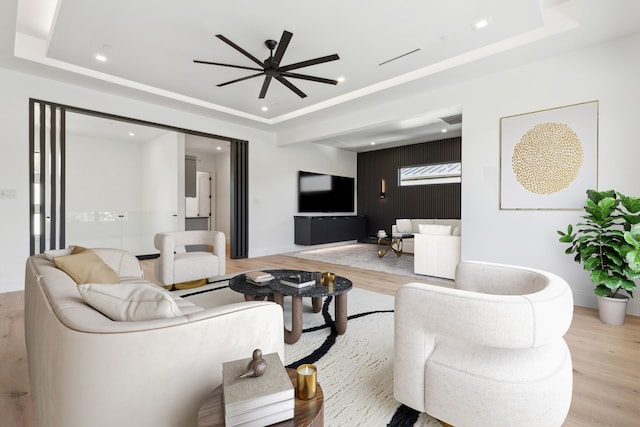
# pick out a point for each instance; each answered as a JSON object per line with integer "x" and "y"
{"x": 372, "y": 143}
{"x": 132, "y": 134}
{"x": 218, "y": 148}
{"x": 101, "y": 58}
{"x": 443, "y": 131}
{"x": 481, "y": 23}
{"x": 341, "y": 79}
{"x": 265, "y": 108}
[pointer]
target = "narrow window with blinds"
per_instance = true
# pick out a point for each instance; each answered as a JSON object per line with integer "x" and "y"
{"x": 435, "y": 173}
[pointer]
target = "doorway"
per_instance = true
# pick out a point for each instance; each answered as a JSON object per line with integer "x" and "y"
{"x": 49, "y": 193}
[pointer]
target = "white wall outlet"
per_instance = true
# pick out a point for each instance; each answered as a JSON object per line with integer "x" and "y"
{"x": 7, "y": 193}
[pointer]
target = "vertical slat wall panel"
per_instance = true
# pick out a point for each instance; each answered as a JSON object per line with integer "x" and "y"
{"x": 32, "y": 144}
{"x": 239, "y": 199}
{"x": 49, "y": 201}
{"x": 421, "y": 201}
{"x": 63, "y": 177}
{"x": 53, "y": 182}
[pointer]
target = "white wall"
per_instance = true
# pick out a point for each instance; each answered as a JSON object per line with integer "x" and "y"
{"x": 273, "y": 175}
{"x": 119, "y": 194}
{"x": 605, "y": 72}
{"x": 162, "y": 187}
{"x": 223, "y": 193}
{"x": 97, "y": 171}
{"x": 17, "y": 88}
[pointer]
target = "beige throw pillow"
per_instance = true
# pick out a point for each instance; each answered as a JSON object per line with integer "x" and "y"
{"x": 130, "y": 302}
{"x": 435, "y": 229}
{"x": 84, "y": 266}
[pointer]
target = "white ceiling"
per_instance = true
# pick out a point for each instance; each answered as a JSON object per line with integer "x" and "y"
{"x": 150, "y": 47}
{"x": 112, "y": 129}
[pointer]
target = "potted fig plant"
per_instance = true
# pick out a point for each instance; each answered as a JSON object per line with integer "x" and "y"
{"x": 607, "y": 244}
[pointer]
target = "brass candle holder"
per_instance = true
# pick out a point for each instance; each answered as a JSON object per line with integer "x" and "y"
{"x": 328, "y": 279}
{"x": 307, "y": 378}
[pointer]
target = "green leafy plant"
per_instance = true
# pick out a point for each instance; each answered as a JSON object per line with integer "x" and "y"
{"x": 607, "y": 243}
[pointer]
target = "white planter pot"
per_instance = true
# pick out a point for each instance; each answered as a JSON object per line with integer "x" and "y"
{"x": 613, "y": 310}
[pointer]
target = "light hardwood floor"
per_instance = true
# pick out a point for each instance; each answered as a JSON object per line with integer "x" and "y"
{"x": 606, "y": 359}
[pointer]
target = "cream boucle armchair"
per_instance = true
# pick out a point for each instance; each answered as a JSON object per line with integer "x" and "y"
{"x": 176, "y": 265}
{"x": 490, "y": 351}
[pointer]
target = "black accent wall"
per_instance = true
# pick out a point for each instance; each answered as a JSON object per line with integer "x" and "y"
{"x": 420, "y": 201}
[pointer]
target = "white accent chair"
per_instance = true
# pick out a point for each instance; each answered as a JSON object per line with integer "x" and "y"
{"x": 176, "y": 265}
{"x": 436, "y": 250}
{"x": 490, "y": 351}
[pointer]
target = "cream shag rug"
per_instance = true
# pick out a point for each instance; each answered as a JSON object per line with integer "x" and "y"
{"x": 355, "y": 370}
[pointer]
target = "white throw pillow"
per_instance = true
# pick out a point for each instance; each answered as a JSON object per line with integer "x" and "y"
{"x": 51, "y": 254}
{"x": 130, "y": 301}
{"x": 403, "y": 226}
{"x": 435, "y": 229}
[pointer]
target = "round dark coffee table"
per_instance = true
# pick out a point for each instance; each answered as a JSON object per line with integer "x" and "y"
{"x": 276, "y": 291}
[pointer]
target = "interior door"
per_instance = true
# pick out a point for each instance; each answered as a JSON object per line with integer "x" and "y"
{"x": 204, "y": 197}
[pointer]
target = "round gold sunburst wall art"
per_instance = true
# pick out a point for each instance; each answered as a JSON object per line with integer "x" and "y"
{"x": 548, "y": 158}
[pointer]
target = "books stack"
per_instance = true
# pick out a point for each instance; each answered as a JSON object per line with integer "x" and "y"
{"x": 258, "y": 277}
{"x": 257, "y": 401}
{"x": 299, "y": 280}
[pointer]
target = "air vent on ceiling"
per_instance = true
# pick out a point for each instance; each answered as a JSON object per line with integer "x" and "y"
{"x": 452, "y": 120}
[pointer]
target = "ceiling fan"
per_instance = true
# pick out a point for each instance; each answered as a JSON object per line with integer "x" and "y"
{"x": 271, "y": 66}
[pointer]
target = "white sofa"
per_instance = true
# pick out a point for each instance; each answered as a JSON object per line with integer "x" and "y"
{"x": 88, "y": 370}
{"x": 412, "y": 226}
{"x": 490, "y": 351}
{"x": 436, "y": 245}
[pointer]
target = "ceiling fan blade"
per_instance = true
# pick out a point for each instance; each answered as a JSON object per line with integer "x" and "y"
{"x": 240, "y": 79}
{"x": 226, "y": 65}
{"x": 311, "y": 78}
{"x": 265, "y": 86}
{"x": 239, "y": 49}
{"x": 282, "y": 46}
{"x": 309, "y": 62}
{"x": 284, "y": 81}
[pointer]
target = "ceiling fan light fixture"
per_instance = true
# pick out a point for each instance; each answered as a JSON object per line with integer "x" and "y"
{"x": 270, "y": 68}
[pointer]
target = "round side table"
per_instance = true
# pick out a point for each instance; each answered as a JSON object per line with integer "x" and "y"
{"x": 306, "y": 413}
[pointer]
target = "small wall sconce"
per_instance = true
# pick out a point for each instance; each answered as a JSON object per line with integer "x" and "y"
{"x": 383, "y": 188}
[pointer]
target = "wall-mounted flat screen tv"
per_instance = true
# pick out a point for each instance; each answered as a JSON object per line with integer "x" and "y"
{"x": 325, "y": 193}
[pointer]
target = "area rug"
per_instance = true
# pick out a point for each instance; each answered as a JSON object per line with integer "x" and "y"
{"x": 365, "y": 256}
{"x": 355, "y": 370}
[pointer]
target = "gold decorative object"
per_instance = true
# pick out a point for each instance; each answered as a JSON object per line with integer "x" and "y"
{"x": 257, "y": 366}
{"x": 328, "y": 278}
{"x": 307, "y": 377}
{"x": 547, "y": 158}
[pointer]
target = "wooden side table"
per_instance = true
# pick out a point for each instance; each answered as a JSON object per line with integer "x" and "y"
{"x": 306, "y": 413}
